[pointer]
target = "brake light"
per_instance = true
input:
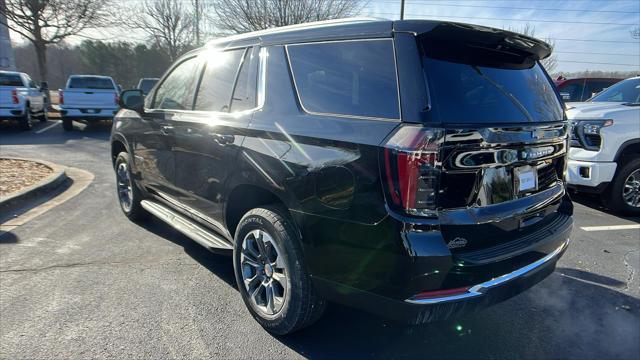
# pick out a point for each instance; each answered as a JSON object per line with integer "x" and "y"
{"x": 116, "y": 98}
{"x": 14, "y": 96}
{"x": 61, "y": 97}
{"x": 412, "y": 169}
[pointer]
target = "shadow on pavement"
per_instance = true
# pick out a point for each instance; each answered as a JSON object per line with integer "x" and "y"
{"x": 10, "y": 134}
{"x": 593, "y": 201}
{"x": 8, "y": 238}
{"x": 559, "y": 318}
{"x": 220, "y": 265}
{"x": 568, "y": 315}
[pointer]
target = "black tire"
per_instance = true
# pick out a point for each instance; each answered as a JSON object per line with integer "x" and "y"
{"x": 301, "y": 306}
{"x": 67, "y": 124}
{"x": 614, "y": 199}
{"x": 43, "y": 117}
{"x": 132, "y": 209}
{"x": 26, "y": 122}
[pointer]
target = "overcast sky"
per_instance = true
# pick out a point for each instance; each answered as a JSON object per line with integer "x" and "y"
{"x": 588, "y": 34}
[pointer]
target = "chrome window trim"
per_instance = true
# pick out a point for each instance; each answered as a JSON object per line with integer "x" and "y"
{"x": 260, "y": 90}
{"x": 395, "y": 64}
{"x": 482, "y": 288}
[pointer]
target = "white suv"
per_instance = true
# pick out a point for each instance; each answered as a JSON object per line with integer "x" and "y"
{"x": 605, "y": 147}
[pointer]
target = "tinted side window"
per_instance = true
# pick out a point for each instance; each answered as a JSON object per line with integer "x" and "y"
{"x": 347, "y": 77}
{"x": 219, "y": 76}
{"x": 176, "y": 91}
{"x": 572, "y": 92}
{"x": 244, "y": 94}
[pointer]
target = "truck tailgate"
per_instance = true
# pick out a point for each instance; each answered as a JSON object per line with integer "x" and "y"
{"x": 89, "y": 98}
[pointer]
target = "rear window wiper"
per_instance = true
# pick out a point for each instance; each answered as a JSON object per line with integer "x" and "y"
{"x": 509, "y": 96}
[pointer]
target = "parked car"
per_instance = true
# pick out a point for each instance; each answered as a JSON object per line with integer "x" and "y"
{"x": 146, "y": 84}
{"x": 21, "y": 99}
{"x": 318, "y": 158}
{"x": 581, "y": 89}
{"x": 88, "y": 98}
{"x": 605, "y": 146}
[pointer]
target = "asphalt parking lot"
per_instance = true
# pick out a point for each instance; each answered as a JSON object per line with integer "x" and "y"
{"x": 82, "y": 281}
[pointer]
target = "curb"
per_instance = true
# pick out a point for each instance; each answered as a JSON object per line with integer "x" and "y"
{"x": 49, "y": 184}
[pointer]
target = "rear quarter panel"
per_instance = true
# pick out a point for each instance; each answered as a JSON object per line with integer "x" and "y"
{"x": 325, "y": 169}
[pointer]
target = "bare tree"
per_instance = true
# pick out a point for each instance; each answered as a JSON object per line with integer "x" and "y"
{"x": 241, "y": 16}
{"x": 169, "y": 23}
{"x": 635, "y": 32}
{"x": 47, "y": 22}
{"x": 550, "y": 63}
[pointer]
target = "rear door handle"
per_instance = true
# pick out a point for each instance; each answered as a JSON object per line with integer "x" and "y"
{"x": 223, "y": 139}
{"x": 166, "y": 129}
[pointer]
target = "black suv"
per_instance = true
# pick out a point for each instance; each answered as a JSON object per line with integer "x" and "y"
{"x": 414, "y": 169}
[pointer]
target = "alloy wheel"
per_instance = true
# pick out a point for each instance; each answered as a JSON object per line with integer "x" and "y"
{"x": 125, "y": 190}
{"x": 263, "y": 272}
{"x": 631, "y": 189}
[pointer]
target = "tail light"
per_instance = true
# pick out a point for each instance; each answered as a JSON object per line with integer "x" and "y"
{"x": 14, "y": 96}
{"x": 412, "y": 170}
{"x": 116, "y": 98}
{"x": 61, "y": 97}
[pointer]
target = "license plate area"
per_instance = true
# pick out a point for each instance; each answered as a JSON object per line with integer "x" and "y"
{"x": 525, "y": 179}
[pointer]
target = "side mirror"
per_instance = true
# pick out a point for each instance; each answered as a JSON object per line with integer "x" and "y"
{"x": 132, "y": 100}
{"x": 44, "y": 85}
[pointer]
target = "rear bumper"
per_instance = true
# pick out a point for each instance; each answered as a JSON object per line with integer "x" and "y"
{"x": 11, "y": 113}
{"x": 428, "y": 281}
{"x": 478, "y": 297}
{"x": 88, "y": 113}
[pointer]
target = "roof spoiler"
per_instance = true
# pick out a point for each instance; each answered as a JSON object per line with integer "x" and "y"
{"x": 475, "y": 44}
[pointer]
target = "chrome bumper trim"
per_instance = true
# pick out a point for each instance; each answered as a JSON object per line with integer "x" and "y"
{"x": 480, "y": 289}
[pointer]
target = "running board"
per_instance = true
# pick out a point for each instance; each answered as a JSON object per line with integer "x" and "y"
{"x": 186, "y": 226}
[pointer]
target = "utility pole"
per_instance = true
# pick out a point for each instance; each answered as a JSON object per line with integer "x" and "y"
{"x": 197, "y": 6}
{"x": 7, "y": 61}
{"x": 401, "y": 9}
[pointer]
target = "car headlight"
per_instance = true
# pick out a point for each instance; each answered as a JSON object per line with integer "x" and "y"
{"x": 592, "y": 127}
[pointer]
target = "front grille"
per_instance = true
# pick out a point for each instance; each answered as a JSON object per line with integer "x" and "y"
{"x": 547, "y": 176}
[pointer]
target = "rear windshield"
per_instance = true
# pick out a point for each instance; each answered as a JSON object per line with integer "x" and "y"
{"x": 10, "y": 80}
{"x": 468, "y": 93}
{"x": 146, "y": 85}
{"x": 90, "y": 83}
{"x": 627, "y": 91}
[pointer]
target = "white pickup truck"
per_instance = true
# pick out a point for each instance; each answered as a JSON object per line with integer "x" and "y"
{"x": 21, "y": 99}
{"x": 605, "y": 147}
{"x": 88, "y": 98}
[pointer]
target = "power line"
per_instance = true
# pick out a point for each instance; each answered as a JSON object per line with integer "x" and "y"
{"x": 416, "y": 2}
{"x": 595, "y": 53}
{"x": 511, "y": 19}
{"x": 594, "y": 40}
{"x": 597, "y": 63}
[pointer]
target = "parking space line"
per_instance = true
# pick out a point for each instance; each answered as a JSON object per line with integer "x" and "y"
{"x": 610, "y": 227}
{"x": 47, "y": 128}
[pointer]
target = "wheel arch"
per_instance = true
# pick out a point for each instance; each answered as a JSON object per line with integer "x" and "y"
{"x": 626, "y": 150}
{"x": 118, "y": 145}
{"x": 247, "y": 196}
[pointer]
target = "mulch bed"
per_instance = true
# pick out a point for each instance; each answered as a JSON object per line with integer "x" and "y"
{"x": 19, "y": 174}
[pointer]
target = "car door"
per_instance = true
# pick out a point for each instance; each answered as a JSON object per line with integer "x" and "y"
{"x": 155, "y": 136}
{"x": 208, "y": 139}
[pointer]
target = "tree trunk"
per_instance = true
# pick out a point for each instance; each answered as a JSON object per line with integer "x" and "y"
{"x": 41, "y": 55}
